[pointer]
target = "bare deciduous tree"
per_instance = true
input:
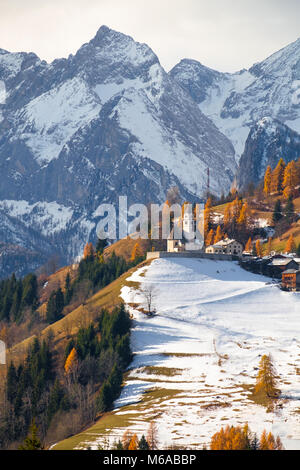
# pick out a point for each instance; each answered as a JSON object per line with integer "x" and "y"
{"x": 152, "y": 436}
{"x": 149, "y": 293}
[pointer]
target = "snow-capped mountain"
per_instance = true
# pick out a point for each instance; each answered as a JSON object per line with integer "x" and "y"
{"x": 268, "y": 141}
{"x": 109, "y": 121}
{"x": 80, "y": 131}
{"x": 235, "y": 102}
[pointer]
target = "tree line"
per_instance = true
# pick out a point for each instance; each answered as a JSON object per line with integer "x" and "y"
{"x": 241, "y": 438}
{"x": 19, "y": 295}
{"x": 32, "y": 391}
{"x": 90, "y": 380}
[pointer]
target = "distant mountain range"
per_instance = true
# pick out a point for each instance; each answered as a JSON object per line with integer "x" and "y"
{"x": 110, "y": 121}
{"x": 236, "y": 102}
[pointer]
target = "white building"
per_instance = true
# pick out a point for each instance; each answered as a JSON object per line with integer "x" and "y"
{"x": 188, "y": 242}
{"x": 227, "y": 246}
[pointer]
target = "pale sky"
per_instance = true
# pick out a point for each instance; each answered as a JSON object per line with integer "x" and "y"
{"x": 227, "y": 35}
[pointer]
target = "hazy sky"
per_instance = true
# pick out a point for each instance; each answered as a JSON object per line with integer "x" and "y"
{"x": 224, "y": 34}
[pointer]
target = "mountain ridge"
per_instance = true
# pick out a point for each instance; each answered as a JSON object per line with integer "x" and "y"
{"x": 107, "y": 121}
{"x": 235, "y": 101}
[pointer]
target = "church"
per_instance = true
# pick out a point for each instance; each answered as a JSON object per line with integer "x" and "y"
{"x": 188, "y": 241}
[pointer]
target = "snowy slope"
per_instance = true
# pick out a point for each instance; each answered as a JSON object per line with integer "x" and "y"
{"x": 49, "y": 217}
{"x": 2, "y": 92}
{"x": 51, "y": 119}
{"x": 214, "y": 321}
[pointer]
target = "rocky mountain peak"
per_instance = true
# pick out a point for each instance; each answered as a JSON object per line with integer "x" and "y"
{"x": 268, "y": 141}
{"x": 281, "y": 62}
{"x": 12, "y": 63}
{"x": 116, "y": 51}
{"x": 195, "y": 77}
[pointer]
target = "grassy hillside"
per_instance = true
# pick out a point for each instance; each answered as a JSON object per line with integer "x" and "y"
{"x": 84, "y": 309}
{"x": 125, "y": 247}
{"x": 79, "y": 317}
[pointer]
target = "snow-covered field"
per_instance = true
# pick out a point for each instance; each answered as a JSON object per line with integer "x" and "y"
{"x": 199, "y": 355}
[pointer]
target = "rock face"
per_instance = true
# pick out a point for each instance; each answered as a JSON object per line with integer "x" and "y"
{"x": 81, "y": 131}
{"x": 235, "y": 102}
{"x": 268, "y": 141}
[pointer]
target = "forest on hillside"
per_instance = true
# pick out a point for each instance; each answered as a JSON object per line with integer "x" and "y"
{"x": 57, "y": 392}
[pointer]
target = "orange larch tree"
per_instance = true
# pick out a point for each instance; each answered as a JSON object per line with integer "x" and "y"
{"x": 244, "y": 219}
{"x": 88, "y": 250}
{"x": 290, "y": 246}
{"x": 277, "y": 177}
{"x": 219, "y": 235}
{"x": 134, "y": 443}
{"x": 126, "y": 439}
{"x": 210, "y": 238}
{"x": 267, "y": 181}
{"x": 238, "y": 438}
{"x": 290, "y": 179}
{"x": 266, "y": 381}
{"x": 136, "y": 251}
{"x": 248, "y": 246}
{"x": 71, "y": 365}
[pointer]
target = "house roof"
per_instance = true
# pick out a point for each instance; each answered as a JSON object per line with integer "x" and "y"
{"x": 281, "y": 261}
{"x": 291, "y": 271}
{"x": 225, "y": 242}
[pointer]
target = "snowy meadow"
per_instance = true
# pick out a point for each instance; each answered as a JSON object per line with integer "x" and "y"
{"x": 196, "y": 361}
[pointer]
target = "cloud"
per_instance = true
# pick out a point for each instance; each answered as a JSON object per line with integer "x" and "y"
{"x": 224, "y": 34}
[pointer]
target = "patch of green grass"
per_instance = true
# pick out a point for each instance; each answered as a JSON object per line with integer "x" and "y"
{"x": 158, "y": 381}
{"x": 113, "y": 420}
{"x": 103, "y": 427}
{"x": 257, "y": 398}
{"x": 167, "y": 371}
{"x": 185, "y": 354}
{"x": 159, "y": 394}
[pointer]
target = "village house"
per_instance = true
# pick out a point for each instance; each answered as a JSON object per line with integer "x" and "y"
{"x": 227, "y": 246}
{"x": 279, "y": 265}
{"x": 291, "y": 279}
